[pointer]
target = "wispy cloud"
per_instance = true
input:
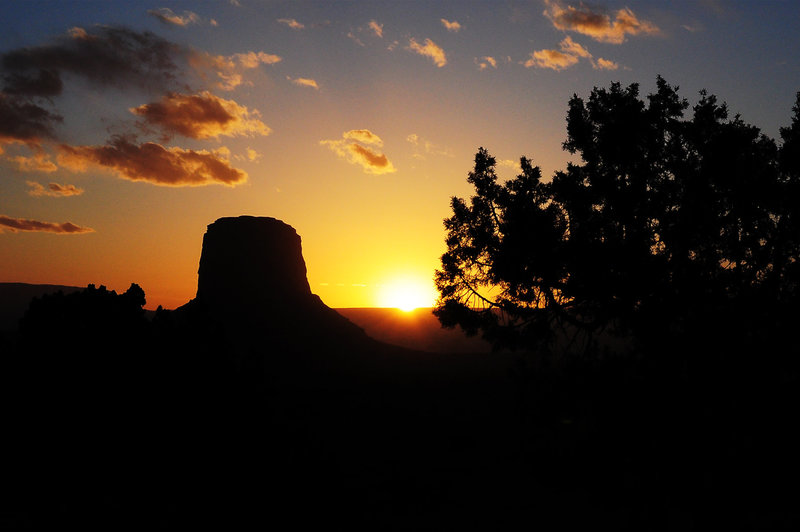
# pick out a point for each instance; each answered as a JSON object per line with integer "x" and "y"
{"x": 424, "y": 147}
{"x": 38, "y": 162}
{"x": 201, "y": 116}
{"x": 229, "y": 69}
{"x": 376, "y": 28}
{"x": 604, "y": 64}
{"x": 154, "y": 163}
{"x": 292, "y": 23}
{"x": 12, "y": 225}
{"x": 429, "y": 49}
{"x": 351, "y": 148}
{"x": 597, "y": 23}
{"x": 304, "y": 82}
{"x": 53, "y": 189}
{"x": 451, "y": 26}
{"x": 167, "y": 16}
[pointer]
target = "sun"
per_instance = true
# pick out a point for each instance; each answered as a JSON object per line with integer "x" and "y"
{"x": 407, "y": 294}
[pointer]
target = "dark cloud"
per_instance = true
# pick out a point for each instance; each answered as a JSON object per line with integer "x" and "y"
{"x": 24, "y": 121}
{"x": 13, "y": 225}
{"x": 154, "y": 163}
{"x": 108, "y": 56}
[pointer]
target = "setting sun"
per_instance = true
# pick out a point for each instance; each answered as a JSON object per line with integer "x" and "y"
{"x": 407, "y": 294}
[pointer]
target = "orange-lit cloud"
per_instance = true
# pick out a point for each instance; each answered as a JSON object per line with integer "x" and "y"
{"x": 153, "y": 163}
{"x": 38, "y": 162}
{"x": 292, "y": 23}
{"x": 53, "y": 189}
{"x": 376, "y": 28}
{"x": 348, "y": 148}
{"x": 569, "y": 54}
{"x": 423, "y": 146}
{"x": 486, "y": 62}
{"x": 12, "y": 225}
{"x": 304, "y": 82}
{"x": 228, "y": 68}
{"x": 604, "y": 64}
{"x": 429, "y": 49}
{"x": 201, "y": 116}
{"x": 596, "y": 23}
{"x": 167, "y": 16}
{"x": 451, "y": 26}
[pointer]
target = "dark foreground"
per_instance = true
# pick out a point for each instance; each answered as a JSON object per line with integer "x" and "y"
{"x": 184, "y": 422}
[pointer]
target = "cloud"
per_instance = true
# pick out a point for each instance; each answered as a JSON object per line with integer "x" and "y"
{"x": 348, "y": 148}
{"x": 598, "y": 24}
{"x": 154, "y": 163}
{"x": 253, "y": 59}
{"x": 25, "y": 122}
{"x": 167, "y": 16}
{"x": 430, "y": 49}
{"x": 376, "y": 28}
{"x": 292, "y": 23}
{"x": 38, "y": 162}
{"x": 304, "y": 82}
{"x": 365, "y": 136}
{"x": 53, "y": 190}
{"x": 13, "y": 225}
{"x": 451, "y": 26}
{"x": 201, "y": 116}
{"x": 228, "y": 68}
{"x": 423, "y": 146}
{"x": 352, "y": 36}
{"x": 604, "y": 64}
{"x": 569, "y": 54}
{"x": 486, "y": 62}
{"x": 109, "y": 56}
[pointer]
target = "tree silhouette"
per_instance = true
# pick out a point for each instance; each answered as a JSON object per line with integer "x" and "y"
{"x": 668, "y": 228}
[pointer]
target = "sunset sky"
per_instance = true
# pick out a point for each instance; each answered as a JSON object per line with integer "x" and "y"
{"x": 127, "y": 127}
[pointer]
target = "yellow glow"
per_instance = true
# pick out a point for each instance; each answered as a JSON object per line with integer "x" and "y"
{"x": 407, "y": 294}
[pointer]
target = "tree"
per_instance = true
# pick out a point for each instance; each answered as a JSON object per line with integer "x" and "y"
{"x": 669, "y": 227}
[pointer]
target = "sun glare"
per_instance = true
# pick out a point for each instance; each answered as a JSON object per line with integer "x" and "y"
{"x": 407, "y": 294}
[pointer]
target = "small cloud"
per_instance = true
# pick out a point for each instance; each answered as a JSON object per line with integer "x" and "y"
{"x": 38, "y": 162}
{"x": 167, "y": 16}
{"x": 292, "y": 23}
{"x": 253, "y": 155}
{"x": 304, "y": 82}
{"x": 604, "y": 64}
{"x": 429, "y": 49}
{"x": 53, "y": 190}
{"x": 213, "y": 22}
{"x": 376, "y": 28}
{"x": 451, "y": 26}
{"x": 569, "y": 54}
{"x": 228, "y": 68}
{"x": 413, "y": 139}
{"x": 423, "y": 146}
{"x": 154, "y": 163}
{"x": 352, "y": 36}
{"x": 12, "y": 225}
{"x": 596, "y": 23}
{"x": 348, "y": 148}
{"x": 486, "y": 62}
{"x": 510, "y": 163}
{"x": 201, "y": 116}
{"x": 253, "y": 59}
{"x": 235, "y": 3}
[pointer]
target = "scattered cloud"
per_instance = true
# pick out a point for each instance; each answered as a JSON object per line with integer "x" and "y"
{"x": 352, "y": 36}
{"x": 53, "y": 190}
{"x": 604, "y": 64}
{"x": 229, "y": 68}
{"x": 486, "y": 62}
{"x": 167, "y": 16}
{"x": 569, "y": 54}
{"x": 425, "y": 147}
{"x": 38, "y": 162}
{"x": 292, "y": 23}
{"x": 253, "y": 59}
{"x": 201, "y": 116}
{"x": 429, "y": 49}
{"x": 154, "y": 163}
{"x": 597, "y": 23}
{"x": 351, "y": 148}
{"x": 304, "y": 82}
{"x": 12, "y": 225}
{"x": 451, "y": 26}
{"x": 253, "y": 155}
{"x": 376, "y": 28}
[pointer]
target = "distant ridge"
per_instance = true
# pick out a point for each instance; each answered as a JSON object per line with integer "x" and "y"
{"x": 15, "y": 298}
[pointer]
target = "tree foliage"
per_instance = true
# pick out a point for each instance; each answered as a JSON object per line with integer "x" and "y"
{"x": 670, "y": 226}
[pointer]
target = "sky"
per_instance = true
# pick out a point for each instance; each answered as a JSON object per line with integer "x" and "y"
{"x": 127, "y": 127}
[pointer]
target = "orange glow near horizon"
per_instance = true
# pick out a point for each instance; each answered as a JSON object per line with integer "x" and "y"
{"x": 407, "y": 294}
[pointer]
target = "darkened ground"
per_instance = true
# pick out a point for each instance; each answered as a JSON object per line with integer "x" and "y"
{"x": 112, "y": 421}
